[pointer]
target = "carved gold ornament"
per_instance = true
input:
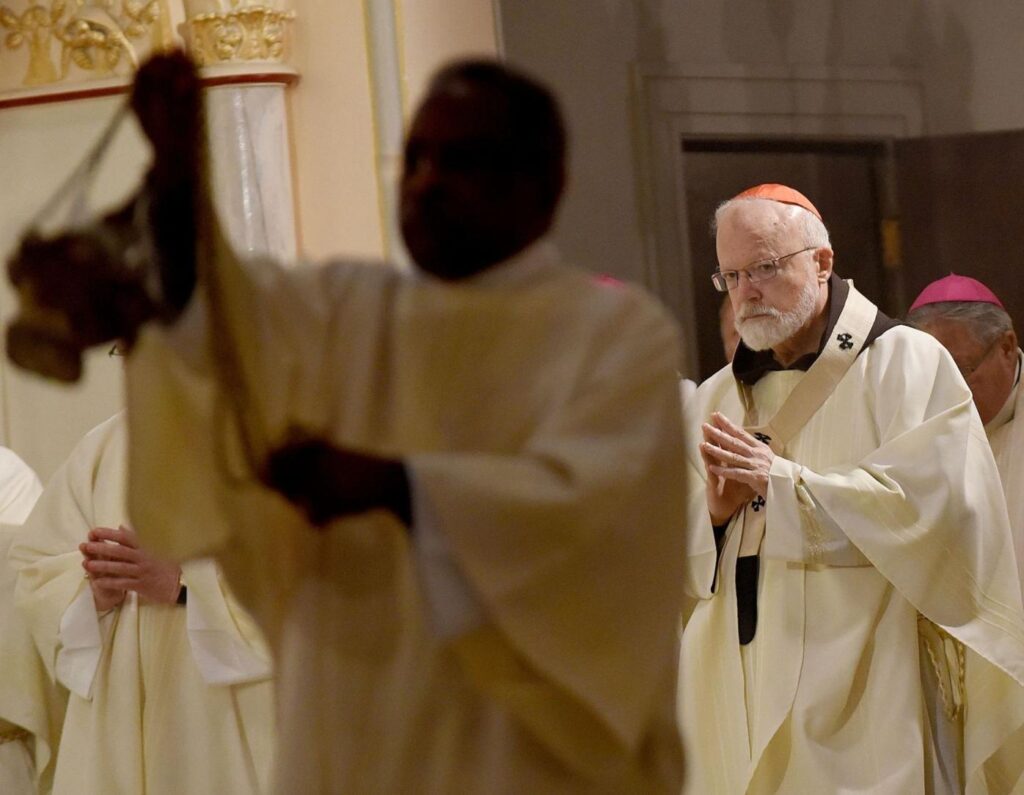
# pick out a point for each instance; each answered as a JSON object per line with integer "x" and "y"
{"x": 245, "y": 33}
{"x": 100, "y": 37}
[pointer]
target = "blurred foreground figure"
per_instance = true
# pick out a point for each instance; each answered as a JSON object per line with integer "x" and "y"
{"x": 169, "y": 680}
{"x": 858, "y": 623}
{"x": 453, "y": 498}
{"x": 970, "y": 321}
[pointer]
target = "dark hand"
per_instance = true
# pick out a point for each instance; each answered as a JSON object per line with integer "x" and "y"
{"x": 327, "y": 482}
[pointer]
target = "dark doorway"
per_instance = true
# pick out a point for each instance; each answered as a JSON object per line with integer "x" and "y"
{"x": 961, "y": 209}
{"x": 840, "y": 177}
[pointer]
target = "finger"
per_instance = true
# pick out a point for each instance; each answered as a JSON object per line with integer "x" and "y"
{"x": 732, "y": 428}
{"x": 707, "y": 455}
{"x": 94, "y": 533}
{"x": 711, "y": 477}
{"x": 118, "y": 536}
{"x": 745, "y": 476}
{"x": 101, "y": 550}
{"x": 725, "y": 457}
{"x": 111, "y": 568}
{"x": 727, "y": 441}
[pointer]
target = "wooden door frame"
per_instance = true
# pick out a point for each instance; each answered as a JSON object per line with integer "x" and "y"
{"x": 673, "y": 101}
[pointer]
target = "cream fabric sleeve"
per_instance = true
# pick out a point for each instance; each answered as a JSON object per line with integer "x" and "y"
{"x": 454, "y": 608}
{"x": 227, "y": 646}
{"x": 925, "y": 507}
{"x": 80, "y": 643}
{"x": 801, "y": 531}
{"x": 46, "y": 556}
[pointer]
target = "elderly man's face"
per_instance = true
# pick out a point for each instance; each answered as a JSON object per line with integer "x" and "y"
{"x": 770, "y": 312}
{"x": 465, "y": 205}
{"x": 988, "y": 370}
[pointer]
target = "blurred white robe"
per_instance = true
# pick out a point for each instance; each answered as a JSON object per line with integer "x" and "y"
{"x": 30, "y": 707}
{"x": 522, "y": 637}
{"x": 163, "y": 698}
{"x": 885, "y": 508}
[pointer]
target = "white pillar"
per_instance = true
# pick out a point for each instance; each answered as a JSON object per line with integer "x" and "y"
{"x": 241, "y": 46}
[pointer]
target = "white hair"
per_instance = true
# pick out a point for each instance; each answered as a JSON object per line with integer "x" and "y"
{"x": 812, "y": 229}
{"x": 984, "y": 321}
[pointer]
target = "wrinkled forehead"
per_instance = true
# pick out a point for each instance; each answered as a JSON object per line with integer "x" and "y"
{"x": 756, "y": 229}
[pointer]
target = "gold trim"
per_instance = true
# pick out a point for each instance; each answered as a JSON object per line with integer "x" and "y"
{"x": 242, "y": 35}
{"x": 103, "y": 38}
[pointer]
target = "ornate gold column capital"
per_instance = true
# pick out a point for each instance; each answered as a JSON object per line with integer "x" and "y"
{"x": 56, "y": 44}
{"x": 238, "y": 32}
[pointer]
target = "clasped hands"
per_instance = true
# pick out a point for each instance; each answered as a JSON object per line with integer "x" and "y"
{"x": 737, "y": 466}
{"x": 115, "y": 564}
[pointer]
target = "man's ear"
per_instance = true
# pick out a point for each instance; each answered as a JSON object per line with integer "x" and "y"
{"x": 823, "y": 259}
{"x": 1009, "y": 343}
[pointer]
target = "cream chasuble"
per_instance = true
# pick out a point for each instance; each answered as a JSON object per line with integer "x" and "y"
{"x": 164, "y": 698}
{"x": 882, "y": 507}
{"x": 534, "y": 410}
{"x": 31, "y": 708}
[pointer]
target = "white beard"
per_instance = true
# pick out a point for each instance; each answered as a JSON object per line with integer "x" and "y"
{"x": 773, "y": 327}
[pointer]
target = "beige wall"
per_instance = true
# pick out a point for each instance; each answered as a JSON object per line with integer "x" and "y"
{"x": 41, "y": 145}
{"x": 336, "y": 189}
{"x": 433, "y": 32}
{"x": 349, "y": 108}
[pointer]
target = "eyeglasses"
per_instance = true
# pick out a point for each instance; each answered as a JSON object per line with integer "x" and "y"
{"x": 967, "y": 372}
{"x": 758, "y": 272}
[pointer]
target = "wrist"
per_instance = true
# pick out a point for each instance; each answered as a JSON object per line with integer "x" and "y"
{"x": 719, "y": 519}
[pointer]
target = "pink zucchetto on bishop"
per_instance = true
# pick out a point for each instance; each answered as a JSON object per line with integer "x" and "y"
{"x": 956, "y": 288}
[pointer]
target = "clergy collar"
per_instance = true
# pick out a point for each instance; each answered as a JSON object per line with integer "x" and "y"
{"x": 750, "y": 366}
{"x": 1006, "y": 412}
